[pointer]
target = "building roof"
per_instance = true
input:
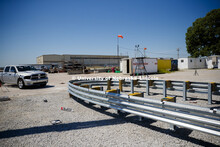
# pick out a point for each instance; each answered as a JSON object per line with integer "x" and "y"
{"x": 111, "y": 56}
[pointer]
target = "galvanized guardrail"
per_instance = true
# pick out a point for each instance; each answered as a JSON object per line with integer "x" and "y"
{"x": 185, "y": 86}
{"x": 187, "y": 116}
{"x": 167, "y": 85}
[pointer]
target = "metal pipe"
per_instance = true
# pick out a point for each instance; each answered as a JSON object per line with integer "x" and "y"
{"x": 209, "y": 93}
{"x": 132, "y": 86}
{"x": 147, "y": 87}
{"x": 184, "y": 91}
{"x": 164, "y": 89}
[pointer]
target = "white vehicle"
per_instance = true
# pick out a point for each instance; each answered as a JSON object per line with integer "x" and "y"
{"x": 23, "y": 76}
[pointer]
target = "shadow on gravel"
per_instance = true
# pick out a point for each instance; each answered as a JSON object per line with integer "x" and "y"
{"x": 31, "y": 87}
{"x": 60, "y": 127}
{"x": 180, "y": 133}
{"x": 39, "y": 87}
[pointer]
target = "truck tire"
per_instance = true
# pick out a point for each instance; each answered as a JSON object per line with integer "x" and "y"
{"x": 21, "y": 84}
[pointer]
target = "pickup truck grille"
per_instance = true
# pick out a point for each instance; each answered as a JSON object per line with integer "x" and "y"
{"x": 38, "y": 76}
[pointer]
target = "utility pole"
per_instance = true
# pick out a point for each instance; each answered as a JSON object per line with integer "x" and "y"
{"x": 178, "y": 50}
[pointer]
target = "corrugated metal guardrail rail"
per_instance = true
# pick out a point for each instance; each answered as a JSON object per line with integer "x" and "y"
{"x": 187, "y": 116}
{"x": 185, "y": 86}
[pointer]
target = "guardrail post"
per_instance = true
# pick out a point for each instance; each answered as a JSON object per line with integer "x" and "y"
{"x": 135, "y": 82}
{"x": 173, "y": 127}
{"x": 169, "y": 85}
{"x": 171, "y": 99}
{"x": 121, "y": 85}
{"x": 184, "y": 91}
{"x": 132, "y": 86}
{"x": 210, "y": 89}
{"x": 142, "y": 94}
{"x": 164, "y": 89}
{"x": 109, "y": 84}
{"x": 186, "y": 86}
{"x": 147, "y": 87}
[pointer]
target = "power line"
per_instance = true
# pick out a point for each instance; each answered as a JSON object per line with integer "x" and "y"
{"x": 149, "y": 51}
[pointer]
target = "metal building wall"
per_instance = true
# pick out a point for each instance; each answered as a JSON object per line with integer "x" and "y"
{"x": 88, "y": 60}
{"x": 40, "y": 60}
{"x": 163, "y": 64}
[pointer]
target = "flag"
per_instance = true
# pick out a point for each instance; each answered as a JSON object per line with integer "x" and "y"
{"x": 120, "y": 36}
{"x": 145, "y": 48}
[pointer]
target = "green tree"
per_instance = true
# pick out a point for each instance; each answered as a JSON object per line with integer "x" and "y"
{"x": 203, "y": 37}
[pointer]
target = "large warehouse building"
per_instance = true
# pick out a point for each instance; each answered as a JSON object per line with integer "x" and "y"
{"x": 87, "y": 60}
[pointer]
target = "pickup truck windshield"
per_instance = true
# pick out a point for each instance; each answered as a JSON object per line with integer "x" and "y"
{"x": 25, "y": 68}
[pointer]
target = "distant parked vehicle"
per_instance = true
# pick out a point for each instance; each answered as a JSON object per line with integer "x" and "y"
{"x": 23, "y": 76}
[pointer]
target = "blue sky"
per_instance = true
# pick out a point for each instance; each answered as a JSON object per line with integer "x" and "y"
{"x": 30, "y": 28}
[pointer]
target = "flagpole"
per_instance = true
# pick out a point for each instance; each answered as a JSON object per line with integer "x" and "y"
{"x": 117, "y": 46}
{"x": 118, "y": 51}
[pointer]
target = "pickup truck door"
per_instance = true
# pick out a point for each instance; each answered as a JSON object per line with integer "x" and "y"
{"x": 5, "y": 74}
{"x": 12, "y": 75}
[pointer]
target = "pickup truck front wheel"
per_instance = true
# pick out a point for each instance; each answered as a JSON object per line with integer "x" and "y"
{"x": 21, "y": 84}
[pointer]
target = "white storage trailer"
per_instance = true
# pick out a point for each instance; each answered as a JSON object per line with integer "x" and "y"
{"x": 139, "y": 65}
{"x": 144, "y": 65}
{"x": 191, "y": 63}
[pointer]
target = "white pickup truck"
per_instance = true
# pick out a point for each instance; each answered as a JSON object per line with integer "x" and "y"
{"x": 23, "y": 76}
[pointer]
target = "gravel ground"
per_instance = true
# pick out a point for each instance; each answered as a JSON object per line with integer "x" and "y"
{"x": 26, "y": 119}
